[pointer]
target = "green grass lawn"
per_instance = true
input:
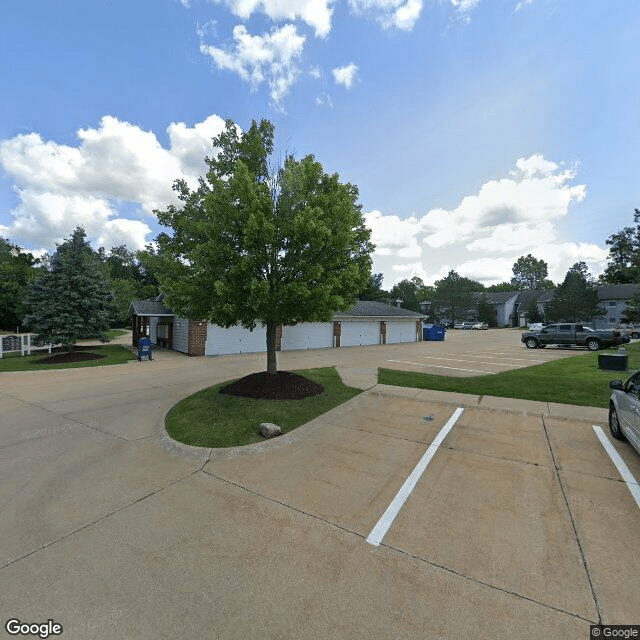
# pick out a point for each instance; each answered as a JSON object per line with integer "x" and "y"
{"x": 115, "y": 354}
{"x": 208, "y": 419}
{"x": 575, "y": 380}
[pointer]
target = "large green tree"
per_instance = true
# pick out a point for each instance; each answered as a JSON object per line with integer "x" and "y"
{"x": 576, "y": 299}
{"x": 530, "y": 274}
{"x": 412, "y": 292}
{"x": 128, "y": 281}
{"x": 17, "y": 270}
{"x": 71, "y": 299}
{"x": 453, "y": 299}
{"x": 252, "y": 244}
{"x": 623, "y": 266}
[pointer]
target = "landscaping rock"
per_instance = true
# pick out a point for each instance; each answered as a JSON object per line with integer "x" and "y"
{"x": 270, "y": 430}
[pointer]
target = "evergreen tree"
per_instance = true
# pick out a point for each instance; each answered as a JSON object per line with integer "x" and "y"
{"x": 576, "y": 299}
{"x": 374, "y": 290}
{"x": 71, "y": 300}
{"x": 533, "y": 312}
{"x": 632, "y": 313}
{"x": 486, "y": 313}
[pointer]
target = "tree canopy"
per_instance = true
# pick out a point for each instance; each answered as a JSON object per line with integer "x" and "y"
{"x": 251, "y": 244}
{"x": 71, "y": 300}
{"x": 530, "y": 274}
{"x": 17, "y": 270}
{"x": 623, "y": 266}
{"x": 411, "y": 292}
{"x": 576, "y": 299}
{"x": 453, "y": 299}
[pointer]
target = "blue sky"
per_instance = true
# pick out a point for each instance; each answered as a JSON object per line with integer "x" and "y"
{"x": 477, "y": 131}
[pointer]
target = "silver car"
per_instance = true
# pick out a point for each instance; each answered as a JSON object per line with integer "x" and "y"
{"x": 624, "y": 410}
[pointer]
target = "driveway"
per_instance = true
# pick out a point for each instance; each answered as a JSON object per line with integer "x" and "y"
{"x": 520, "y": 526}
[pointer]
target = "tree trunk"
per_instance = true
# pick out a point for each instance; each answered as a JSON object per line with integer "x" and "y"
{"x": 272, "y": 366}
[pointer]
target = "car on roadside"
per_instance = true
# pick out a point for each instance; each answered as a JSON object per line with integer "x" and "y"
{"x": 624, "y": 410}
{"x": 480, "y": 326}
{"x": 463, "y": 325}
{"x": 631, "y": 330}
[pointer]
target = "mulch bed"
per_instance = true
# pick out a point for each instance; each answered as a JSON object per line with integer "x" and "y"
{"x": 282, "y": 386}
{"x": 70, "y": 356}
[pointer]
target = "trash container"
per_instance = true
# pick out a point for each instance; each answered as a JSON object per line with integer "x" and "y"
{"x": 433, "y": 332}
{"x": 613, "y": 361}
{"x": 144, "y": 349}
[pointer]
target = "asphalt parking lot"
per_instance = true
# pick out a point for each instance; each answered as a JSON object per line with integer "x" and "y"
{"x": 518, "y": 526}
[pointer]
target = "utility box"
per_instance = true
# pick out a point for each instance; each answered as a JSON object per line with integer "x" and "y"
{"x": 433, "y": 332}
{"x": 613, "y": 361}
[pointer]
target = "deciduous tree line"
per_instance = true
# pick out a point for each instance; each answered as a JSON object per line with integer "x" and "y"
{"x": 256, "y": 243}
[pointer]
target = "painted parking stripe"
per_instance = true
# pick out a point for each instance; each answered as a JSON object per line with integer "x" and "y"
{"x": 439, "y": 366}
{"x": 500, "y": 364}
{"x": 627, "y": 476}
{"x": 379, "y": 531}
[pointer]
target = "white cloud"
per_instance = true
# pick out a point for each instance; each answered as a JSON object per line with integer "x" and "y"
{"x": 484, "y": 235}
{"x": 271, "y": 57}
{"x": 399, "y": 14}
{"x": 523, "y": 4}
{"x": 315, "y": 13}
{"x": 116, "y": 167}
{"x": 464, "y": 7}
{"x": 345, "y": 76}
{"x": 324, "y": 100}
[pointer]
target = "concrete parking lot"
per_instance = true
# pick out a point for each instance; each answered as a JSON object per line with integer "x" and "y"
{"x": 520, "y": 526}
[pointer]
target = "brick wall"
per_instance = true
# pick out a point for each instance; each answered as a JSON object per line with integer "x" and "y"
{"x": 197, "y": 337}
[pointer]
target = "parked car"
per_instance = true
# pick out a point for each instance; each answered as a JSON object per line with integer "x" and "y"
{"x": 632, "y": 330}
{"x": 480, "y": 326}
{"x": 463, "y": 325}
{"x": 568, "y": 334}
{"x": 624, "y": 410}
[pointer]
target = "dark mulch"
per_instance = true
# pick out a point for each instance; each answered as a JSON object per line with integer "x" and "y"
{"x": 70, "y": 356}
{"x": 75, "y": 347}
{"x": 282, "y": 386}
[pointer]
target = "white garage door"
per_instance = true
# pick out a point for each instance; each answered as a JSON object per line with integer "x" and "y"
{"x": 307, "y": 335}
{"x": 401, "y": 332}
{"x": 235, "y": 339}
{"x": 360, "y": 333}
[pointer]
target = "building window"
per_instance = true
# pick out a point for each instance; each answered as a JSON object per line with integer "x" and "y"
{"x": 612, "y": 304}
{"x": 612, "y": 320}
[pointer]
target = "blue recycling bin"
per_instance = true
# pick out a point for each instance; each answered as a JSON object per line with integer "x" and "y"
{"x": 433, "y": 332}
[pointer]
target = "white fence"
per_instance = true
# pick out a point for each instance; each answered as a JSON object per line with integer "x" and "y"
{"x": 22, "y": 342}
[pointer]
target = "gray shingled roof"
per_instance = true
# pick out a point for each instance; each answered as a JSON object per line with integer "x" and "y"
{"x": 150, "y": 308}
{"x": 617, "y": 291}
{"x": 495, "y": 297}
{"x": 369, "y": 308}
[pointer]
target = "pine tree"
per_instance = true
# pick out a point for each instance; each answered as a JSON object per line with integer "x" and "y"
{"x": 576, "y": 299}
{"x": 71, "y": 300}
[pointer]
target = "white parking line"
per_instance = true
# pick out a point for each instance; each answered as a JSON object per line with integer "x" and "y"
{"x": 378, "y": 532}
{"x": 439, "y": 366}
{"x": 630, "y": 481}
{"x": 466, "y": 359}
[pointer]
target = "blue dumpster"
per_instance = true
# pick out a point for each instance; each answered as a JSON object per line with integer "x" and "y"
{"x": 433, "y": 332}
